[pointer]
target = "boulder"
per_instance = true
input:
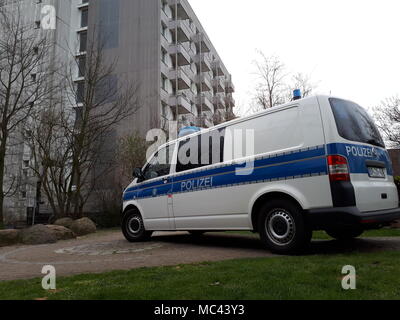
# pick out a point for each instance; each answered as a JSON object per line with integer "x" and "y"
{"x": 38, "y": 234}
{"x": 395, "y": 225}
{"x": 64, "y": 222}
{"x": 62, "y": 233}
{"x": 83, "y": 227}
{"x": 9, "y": 237}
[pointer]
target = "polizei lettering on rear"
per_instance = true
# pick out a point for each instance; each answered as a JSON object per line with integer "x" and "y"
{"x": 358, "y": 151}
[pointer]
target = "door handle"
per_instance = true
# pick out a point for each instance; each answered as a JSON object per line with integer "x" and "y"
{"x": 377, "y": 164}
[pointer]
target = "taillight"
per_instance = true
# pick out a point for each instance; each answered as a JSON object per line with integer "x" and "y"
{"x": 338, "y": 168}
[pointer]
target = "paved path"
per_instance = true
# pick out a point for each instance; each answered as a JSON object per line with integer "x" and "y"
{"x": 108, "y": 250}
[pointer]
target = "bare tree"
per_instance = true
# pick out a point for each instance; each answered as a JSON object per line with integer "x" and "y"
{"x": 75, "y": 137}
{"x": 130, "y": 154}
{"x": 387, "y": 117}
{"x": 303, "y": 82}
{"x": 24, "y": 83}
{"x": 275, "y": 86}
{"x": 271, "y": 84}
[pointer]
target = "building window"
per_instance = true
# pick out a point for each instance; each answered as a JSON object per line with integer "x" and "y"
{"x": 80, "y": 92}
{"x": 83, "y": 41}
{"x": 109, "y": 23}
{"x": 82, "y": 66}
{"x": 84, "y": 18}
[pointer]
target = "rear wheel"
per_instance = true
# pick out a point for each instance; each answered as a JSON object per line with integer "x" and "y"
{"x": 133, "y": 227}
{"x": 282, "y": 227}
{"x": 345, "y": 234}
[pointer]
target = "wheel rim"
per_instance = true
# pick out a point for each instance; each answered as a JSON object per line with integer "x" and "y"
{"x": 280, "y": 227}
{"x": 134, "y": 225}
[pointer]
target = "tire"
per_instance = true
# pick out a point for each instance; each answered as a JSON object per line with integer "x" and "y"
{"x": 345, "y": 234}
{"x": 133, "y": 227}
{"x": 283, "y": 228}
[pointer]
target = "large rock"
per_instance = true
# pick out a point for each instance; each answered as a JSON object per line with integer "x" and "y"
{"x": 62, "y": 233}
{"x": 395, "y": 225}
{"x": 9, "y": 237}
{"x": 83, "y": 227}
{"x": 38, "y": 234}
{"x": 64, "y": 222}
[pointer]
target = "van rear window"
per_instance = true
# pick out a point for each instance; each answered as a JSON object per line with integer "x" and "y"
{"x": 354, "y": 123}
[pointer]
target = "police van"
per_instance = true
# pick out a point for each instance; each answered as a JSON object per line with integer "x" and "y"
{"x": 317, "y": 163}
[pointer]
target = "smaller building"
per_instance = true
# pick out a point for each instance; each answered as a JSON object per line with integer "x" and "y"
{"x": 395, "y": 156}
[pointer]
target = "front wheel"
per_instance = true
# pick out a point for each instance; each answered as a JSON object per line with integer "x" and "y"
{"x": 345, "y": 234}
{"x": 283, "y": 228}
{"x": 133, "y": 227}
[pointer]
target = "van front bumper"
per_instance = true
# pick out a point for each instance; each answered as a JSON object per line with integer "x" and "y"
{"x": 323, "y": 219}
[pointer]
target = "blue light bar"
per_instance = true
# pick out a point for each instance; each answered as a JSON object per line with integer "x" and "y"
{"x": 297, "y": 94}
{"x": 188, "y": 130}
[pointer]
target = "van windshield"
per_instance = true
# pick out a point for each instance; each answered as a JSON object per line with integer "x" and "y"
{"x": 354, "y": 123}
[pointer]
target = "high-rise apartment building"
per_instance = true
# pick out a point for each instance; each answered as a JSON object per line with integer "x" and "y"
{"x": 162, "y": 45}
{"x": 159, "y": 44}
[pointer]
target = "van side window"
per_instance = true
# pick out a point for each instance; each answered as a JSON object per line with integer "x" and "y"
{"x": 160, "y": 164}
{"x": 201, "y": 151}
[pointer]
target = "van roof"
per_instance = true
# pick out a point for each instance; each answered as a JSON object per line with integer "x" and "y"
{"x": 255, "y": 115}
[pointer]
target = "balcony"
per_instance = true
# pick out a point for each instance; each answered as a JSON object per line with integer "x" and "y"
{"x": 183, "y": 29}
{"x": 218, "y": 84}
{"x": 205, "y": 62}
{"x": 230, "y": 101}
{"x": 218, "y": 101}
{"x": 184, "y": 106}
{"x": 183, "y": 79}
{"x": 229, "y": 86}
{"x": 203, "y": 103}
{"x": 189, "y": 72}
{"x": 218, "y": 68}
{"x": 164, "y": 96}
{"x": 164, "y": 17}
{"x": 202, "y": 42}
{"x": 165, "y": 70}
{"x": 183, "y": 56}
{"x": 204, "y": 81}
{"x": 182, "y": 8}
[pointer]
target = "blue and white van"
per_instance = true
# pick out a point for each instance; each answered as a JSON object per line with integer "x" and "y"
{"x": 317, "y": 163}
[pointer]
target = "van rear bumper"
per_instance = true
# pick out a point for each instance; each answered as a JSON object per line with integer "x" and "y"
{"x": 323, "y": 219}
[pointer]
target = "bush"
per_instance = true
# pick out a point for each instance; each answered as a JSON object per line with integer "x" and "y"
{"x": 397, "y": 182}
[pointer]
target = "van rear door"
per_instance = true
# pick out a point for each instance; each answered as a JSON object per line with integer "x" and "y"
{"x": 369, "y": 162}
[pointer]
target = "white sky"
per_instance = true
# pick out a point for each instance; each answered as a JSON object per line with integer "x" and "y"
{"x": 350, "y": 47}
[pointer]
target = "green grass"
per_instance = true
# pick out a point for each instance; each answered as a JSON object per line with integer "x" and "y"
{"x": 298, "y": 277}
{"x": 322, "y": 235}
{"x": 385, "y": 232}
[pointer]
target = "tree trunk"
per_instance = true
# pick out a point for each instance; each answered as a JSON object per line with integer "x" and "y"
{"x": 2, "y": 160}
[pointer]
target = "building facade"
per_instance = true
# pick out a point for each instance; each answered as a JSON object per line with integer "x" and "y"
{"x": 395, "y": 157}
{"x": 162, "y": 46}
{"x": 158, "y": 44}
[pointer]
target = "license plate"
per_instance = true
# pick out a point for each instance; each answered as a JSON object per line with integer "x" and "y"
{"x": 378, "y": 173}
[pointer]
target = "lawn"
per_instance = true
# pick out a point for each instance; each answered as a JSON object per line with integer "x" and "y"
{"x": 322, "y": 235}
{"x": 296, "y": 277}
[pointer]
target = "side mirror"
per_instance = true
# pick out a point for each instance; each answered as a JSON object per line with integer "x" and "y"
{"x": 137, "y": 173}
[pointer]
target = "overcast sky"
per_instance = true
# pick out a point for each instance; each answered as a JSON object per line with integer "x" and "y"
{"x": 350, "y": 47}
